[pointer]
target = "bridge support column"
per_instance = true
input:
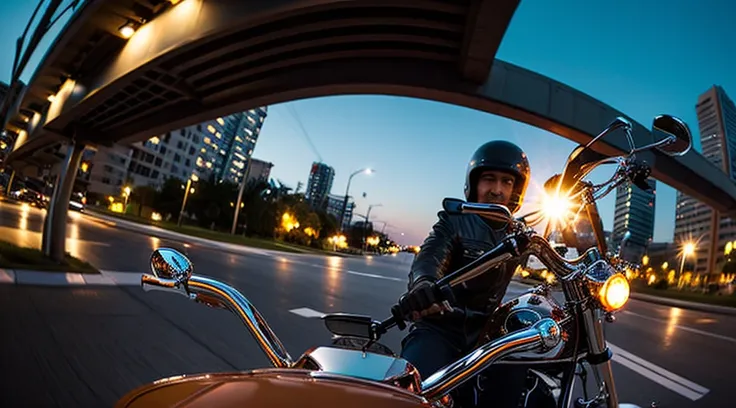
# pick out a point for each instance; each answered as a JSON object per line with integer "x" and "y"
{"x": 8, "y": 188}
{"x": 54, "y": 234}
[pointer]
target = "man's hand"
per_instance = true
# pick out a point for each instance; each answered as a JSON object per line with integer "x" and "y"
{"x": 423, "y": 299}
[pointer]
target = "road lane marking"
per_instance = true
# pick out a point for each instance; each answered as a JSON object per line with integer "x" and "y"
{"x": 7, "y": 276}
{"x": 684, "y": 328}
{"x": 370, "y": 275}
{"x": 653, "y": 372}
{"x": 307, "y": 312}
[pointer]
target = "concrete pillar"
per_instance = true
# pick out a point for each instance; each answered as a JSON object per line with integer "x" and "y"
{"x": 10, "y": 183}
{"x": 46, "y": 231}
{"x": 55, "y": 245}
{"x": 713, "y": 252}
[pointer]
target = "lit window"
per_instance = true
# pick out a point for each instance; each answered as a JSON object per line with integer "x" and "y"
{"x": 209, "y": 165}
{"x": 203, "y": 150}
{"x": 220, "y": 121}
{"x": 248, "y": 131}
{"x": 251, "y": 120}
{"x": 237, "y": 138}
{"x": 207, "y": 140}
{"x": 219, "y": 136}
{"x": 200, "y": 162}
{"x": 154, "y": 140}
{"x": 211, "y": 129}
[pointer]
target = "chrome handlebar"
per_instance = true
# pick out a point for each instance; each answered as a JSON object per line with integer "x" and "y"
{"x": 218, "y": 294}
{"x": 542, "y": 336}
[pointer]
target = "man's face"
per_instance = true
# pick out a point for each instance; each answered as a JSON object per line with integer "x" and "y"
{"x": 495, "y": 187}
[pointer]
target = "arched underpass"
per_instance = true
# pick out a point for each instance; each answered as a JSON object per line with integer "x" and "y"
{"x": 202, "y": 59}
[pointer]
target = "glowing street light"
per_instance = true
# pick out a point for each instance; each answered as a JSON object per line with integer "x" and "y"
{"x": 126, "y": 194}
{"x": 687, "y": 250}
{"x": 368, "y": 171}
{"x": 188, "y": 190}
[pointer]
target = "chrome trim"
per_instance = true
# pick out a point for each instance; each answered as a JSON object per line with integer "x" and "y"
{"x": 364, "y": 365}
{"x": 619, "y": 122}
{"x": 592, "y": 319}
{"x": 217, "y": 294}
{"x": 542, "y": 336}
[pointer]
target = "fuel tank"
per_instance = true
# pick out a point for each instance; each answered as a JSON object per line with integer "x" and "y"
{"x": 272, "y": 388}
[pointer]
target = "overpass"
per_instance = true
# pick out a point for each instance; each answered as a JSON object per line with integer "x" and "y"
{"x": 193, "y": 60}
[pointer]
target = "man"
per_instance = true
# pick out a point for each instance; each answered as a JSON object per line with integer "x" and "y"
{"x": 498, "y": 173}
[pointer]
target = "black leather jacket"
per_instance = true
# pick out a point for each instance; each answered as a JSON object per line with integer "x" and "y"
{"x": 455, "y": 241}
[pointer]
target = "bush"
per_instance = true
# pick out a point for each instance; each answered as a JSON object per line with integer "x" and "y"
{"x": 661, "y": 284}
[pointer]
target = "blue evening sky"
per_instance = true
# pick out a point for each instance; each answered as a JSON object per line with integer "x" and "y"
{"x": 643, "y": 58}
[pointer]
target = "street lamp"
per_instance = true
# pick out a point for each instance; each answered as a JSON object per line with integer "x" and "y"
{"x": 687, "y": 250}
{"x": 187, "y": 190}
{"x": 347, "y": 193}
{"x": 126, "y": 194}
{"x": 367, "y": 220}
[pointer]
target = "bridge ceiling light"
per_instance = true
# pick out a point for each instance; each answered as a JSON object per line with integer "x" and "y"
{"x": 127, "y": 30}
{"x": 51, "y": 98}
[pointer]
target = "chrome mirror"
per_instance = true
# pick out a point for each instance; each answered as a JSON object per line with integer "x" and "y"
{"x": 343, "y": 324}
{"x": 672, "y": 135}
{"x": 167, "y": 263}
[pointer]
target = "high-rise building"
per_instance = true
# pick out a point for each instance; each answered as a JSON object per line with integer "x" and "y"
{"x": 634, "y": 214}
{"x": 319, "y": 184}
{"x": 334, "y": 208}
{"x": 108, "y": 169}
{"x": 694, "y": 220}
{"x": 229, "y": 144}
{"x": 259, "y": 171}
{"x": 219, "y": 148}
{"x": 172, "y": 155}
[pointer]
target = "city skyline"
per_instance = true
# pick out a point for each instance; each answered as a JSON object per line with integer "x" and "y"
{"x": 642, "y": 71}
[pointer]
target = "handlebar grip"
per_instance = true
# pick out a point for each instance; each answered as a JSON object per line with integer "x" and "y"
{"x": 398, "y": 317}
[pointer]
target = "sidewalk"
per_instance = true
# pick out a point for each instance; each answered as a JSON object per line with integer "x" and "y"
{"x": 41, "y": 278}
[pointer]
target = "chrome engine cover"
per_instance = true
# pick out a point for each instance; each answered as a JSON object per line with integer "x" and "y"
{"x": 524, "y": 311}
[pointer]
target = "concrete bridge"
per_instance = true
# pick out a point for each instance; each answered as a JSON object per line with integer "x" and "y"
{"x": 192, "y": 60}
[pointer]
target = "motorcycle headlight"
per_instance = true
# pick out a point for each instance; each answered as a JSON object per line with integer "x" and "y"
{"x": 614, "y": 293}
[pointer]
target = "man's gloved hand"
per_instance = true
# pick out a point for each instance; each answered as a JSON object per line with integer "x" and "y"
{"x": 422, "y": 300}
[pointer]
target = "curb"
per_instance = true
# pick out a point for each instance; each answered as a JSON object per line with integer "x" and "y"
{"x": 185, "y": 239}
{"x": 701, "y": 307}
{"x": 67, "y": 279}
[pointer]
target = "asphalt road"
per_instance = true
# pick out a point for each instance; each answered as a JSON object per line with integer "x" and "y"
{"x": 672, "y": 356}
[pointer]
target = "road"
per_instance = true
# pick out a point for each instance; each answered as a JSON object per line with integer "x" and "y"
{"x": 115, "y": 338}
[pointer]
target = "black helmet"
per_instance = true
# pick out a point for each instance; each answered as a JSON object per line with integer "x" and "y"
{"x": 503, "y": 156}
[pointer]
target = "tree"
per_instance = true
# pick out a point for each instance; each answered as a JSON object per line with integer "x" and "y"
{"x": 259, "y": 209}
{"x": 213, "y": 203}
{"x": 330, "y": 224}
{"x": 144, "y": 196}
{"x": 169, "y": 198}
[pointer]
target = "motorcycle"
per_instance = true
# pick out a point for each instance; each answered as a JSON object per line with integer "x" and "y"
{"x": 557, "y": 339}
